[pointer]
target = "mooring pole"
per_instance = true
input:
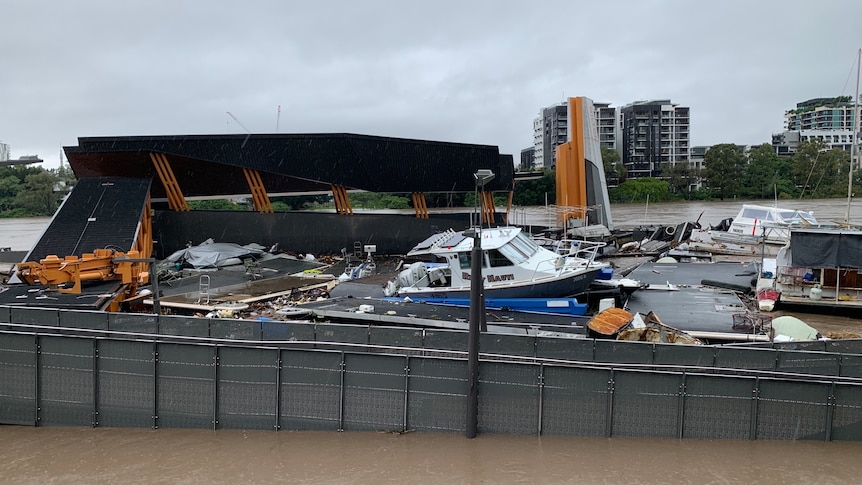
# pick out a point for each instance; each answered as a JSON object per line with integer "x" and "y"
{"x": 473, "y": 339}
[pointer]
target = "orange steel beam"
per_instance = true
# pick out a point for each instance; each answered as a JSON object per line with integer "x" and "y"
{"x": 261, "y": 200}
{"x": 342, "y": 201}
{"x": 488, "y": 208}
{"x": 420, "y": 206}
{"x": 176, "y": 200}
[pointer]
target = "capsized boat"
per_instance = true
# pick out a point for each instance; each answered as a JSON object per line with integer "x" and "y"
{"x": 513, "y": 266}
{"x": 756, "y": 223}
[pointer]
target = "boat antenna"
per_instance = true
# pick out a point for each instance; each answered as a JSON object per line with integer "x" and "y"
{"x": 854, "y": 148}
{"x": 277, "y": 118}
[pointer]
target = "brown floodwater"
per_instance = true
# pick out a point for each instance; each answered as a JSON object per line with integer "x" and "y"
{"x": 95, "y": 456}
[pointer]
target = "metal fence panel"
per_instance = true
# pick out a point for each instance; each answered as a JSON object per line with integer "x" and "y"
{"x": 671, "y": 354}
{"x": 375, "y": 389}
{"x": 396, "y": 337}
{"x": 789, "y": 410}
{"x": 522, "y": 345}
{"x": 847, "y": 417}
{"x": 508, "y": 398}
{"x": 17, "y": 379}
{"x": 739, "y": 358}
{"x": 285, "y": 331}
{"x": 810, "y": 345}
{"x": 851, "y": 365}
{"x": 351, "y": 334}
{"x": 184, "y": 326}
{"x": 446, "y": 340}
{"x": 66, "y": 381}
{"x": 311, "y": 390}
{"x": 233, "y": 329}
{"x": 622, "y": 352}
{"x": 573, "y": 349}
{"x": 849, "y": 346}
{"x": 248, "y": 388}
{"x": 83, "y": 319}
{"x": 575, "y": 401}
{"x": 4, "y": 314}
{"x": 34, "y": 316}
{"x": 126, "y": 383}
{"x": 186, "y": 383}
{"x": 645, "y": 404}
{"x": 804, "y": 362}
{"x": 133, "y": 322}
{"x": 718, "y": 407}
{"x": 437, "y": 398}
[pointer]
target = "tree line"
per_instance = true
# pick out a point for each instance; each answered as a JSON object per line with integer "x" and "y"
{"x": 729, "y": 171}
{"x": 33, "y": 191}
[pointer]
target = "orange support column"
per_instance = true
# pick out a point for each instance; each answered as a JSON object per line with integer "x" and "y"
{"x": 176, "y": 200}
{"x": 419, "y": 205}
{"x": 342, "y": 201}
{"x": 258, "y": 192}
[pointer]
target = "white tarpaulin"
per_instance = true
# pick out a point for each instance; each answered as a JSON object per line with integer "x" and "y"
{"x": 212, "y": 255}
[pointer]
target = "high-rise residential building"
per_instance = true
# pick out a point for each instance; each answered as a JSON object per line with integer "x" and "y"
{"x": 609, "y": 125}
{"x": 4, "y": 152}
{"x": 653, "y": 133}
{"x": 827, "y": 119}
{"x": 550, "y": 130}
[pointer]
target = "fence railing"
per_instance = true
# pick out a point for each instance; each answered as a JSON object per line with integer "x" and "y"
{"x": 75, "y": 380}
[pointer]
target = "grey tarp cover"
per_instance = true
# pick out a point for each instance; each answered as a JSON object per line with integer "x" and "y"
{"x": 212, "y": 255}
{"x": 826, "y": 248}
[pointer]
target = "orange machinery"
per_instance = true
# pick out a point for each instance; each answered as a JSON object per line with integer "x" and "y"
{"x": 101, "y": 265}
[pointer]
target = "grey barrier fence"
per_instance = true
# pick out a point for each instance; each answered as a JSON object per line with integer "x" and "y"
{"x": 841, "y": 358}
{"x": 73, "y": 380}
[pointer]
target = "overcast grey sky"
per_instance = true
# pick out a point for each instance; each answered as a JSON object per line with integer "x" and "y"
{"x": 462, "y": 71}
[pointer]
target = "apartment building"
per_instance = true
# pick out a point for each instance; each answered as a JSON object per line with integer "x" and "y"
{"x": 830, "y": 120}
{"x": 653, "y": 133}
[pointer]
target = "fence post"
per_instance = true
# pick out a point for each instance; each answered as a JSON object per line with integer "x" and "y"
{"x": 155, "y": 385}
{"x": 830, "y": 411}
{"x": 755, "y": 398}
{"x": 680, "y": 409}
{"x": 37, "y": 399}
{"x": 215, "y": 386}
{"x": 343, "y": 367}
{"x": 279, "y": 365}
{"x": 609, "y": 426}
{"x": 95, "y": 420}
{"x": 404, "y": 422}
{"x": 541, "y": 406}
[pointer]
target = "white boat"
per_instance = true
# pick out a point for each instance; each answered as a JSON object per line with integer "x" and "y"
{"x": 513, "y": 266}
{"x": 759, "y": 223}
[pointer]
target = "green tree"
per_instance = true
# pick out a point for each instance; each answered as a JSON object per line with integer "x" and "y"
{"x": 820, "y": 172}
{"x": 615, "y": 171}
{"x": 216, "y": 205}
{"x": 9, "y": 187}
{"x": 637, "y": 190}
{"x": 724, "y": 165}
{"x": 37, "y": 197}
{"x": 530, "y": 192}
{"x": 680, "y": 177}
{"x": 760, "y": 178}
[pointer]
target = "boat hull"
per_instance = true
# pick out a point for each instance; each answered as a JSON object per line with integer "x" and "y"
{"x": 567, "y": 286}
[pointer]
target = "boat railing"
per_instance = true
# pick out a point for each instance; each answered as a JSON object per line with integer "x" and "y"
{"x": 569, "y": 250}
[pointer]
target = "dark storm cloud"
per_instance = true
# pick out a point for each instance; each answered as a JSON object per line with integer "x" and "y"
{"x": 468, "y": 71}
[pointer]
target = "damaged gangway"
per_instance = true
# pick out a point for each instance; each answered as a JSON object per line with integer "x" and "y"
{"x": 100, "y": 234}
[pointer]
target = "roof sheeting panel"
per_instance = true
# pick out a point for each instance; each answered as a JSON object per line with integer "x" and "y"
{"x": 376, "y": 164}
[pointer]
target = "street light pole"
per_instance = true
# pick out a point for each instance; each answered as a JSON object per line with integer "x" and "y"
{"x": 477, "y": 314}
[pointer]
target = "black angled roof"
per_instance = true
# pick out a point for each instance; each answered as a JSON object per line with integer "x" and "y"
{"x": 207, "y": 165}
